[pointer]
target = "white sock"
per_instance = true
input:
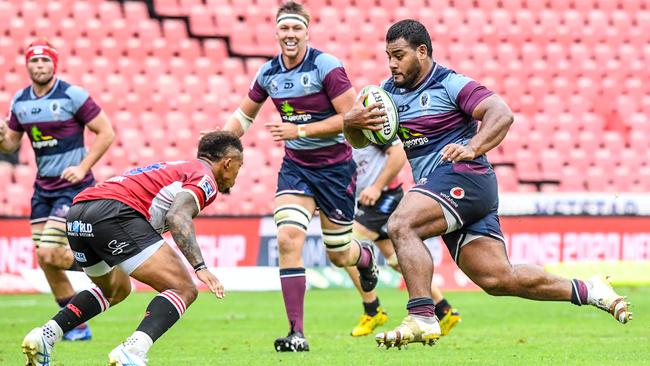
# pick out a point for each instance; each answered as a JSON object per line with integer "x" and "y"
{"x": 52, "y": 332}
{"x": 424, "y": 319}
{"x": 139, "y": 343}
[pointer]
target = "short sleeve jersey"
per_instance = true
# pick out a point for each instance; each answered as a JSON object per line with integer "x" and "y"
{"x": 302, "y": 95}
{"x": 55, "y": 125}
{"x": 436, "y": 113}
{"x": 151, "y": 190}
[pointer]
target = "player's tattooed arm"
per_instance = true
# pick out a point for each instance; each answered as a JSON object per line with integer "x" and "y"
{"x": 179, "y": 220}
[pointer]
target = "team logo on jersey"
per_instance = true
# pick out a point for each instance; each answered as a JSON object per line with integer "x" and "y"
{"x": 207, "y": 186}
{"x": 55, "y": 108}
{"x": 305, "y": 79}
{"x": 425, "y": 99}
{"x": 80, "y": 228}
{"x": 273, "y": 87}
{"x": 40, "y": 141}
{"x": 457, "y": 193}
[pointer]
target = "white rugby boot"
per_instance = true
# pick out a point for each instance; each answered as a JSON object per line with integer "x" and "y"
{"x": 121, "y": 356}
{"x": 413, "y": 329}
{"x": 36, "y": 348}
{"x": 601, "y": 295}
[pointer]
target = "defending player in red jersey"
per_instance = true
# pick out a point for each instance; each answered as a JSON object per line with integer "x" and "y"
{"x": 115, "y": 231}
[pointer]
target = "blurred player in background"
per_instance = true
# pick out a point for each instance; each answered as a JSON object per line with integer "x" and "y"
{"x": 378, "y": 193}
{"x": 456, "y": 192}
{"x": 311, "y": 90}
{"x": 115, "y": 232}
{"x": 54, "y": 114}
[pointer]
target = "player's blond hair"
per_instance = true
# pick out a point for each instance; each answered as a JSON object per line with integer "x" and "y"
{"x": 292, "y": 7}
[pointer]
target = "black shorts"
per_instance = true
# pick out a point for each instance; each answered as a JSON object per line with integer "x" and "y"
{"x": 106, "y": 233}
{"x": 375, "y": 218}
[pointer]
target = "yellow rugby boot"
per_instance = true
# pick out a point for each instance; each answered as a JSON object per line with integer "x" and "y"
{"x": 449, "y": 321}
{"x": 368, "y": 323}
{"x": 413, "y": 329}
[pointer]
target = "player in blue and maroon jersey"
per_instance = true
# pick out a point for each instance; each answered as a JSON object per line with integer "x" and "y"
{"x": 456, "y": 192}
{"x": 54, "y": 115}
{"x": 310, "y": 90}
{"x": 115, "y": 232}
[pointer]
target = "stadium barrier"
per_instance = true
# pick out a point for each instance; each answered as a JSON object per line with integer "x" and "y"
{"x": 244, "y": 252}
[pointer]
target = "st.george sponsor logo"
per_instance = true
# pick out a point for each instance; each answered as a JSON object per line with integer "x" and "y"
{"x": 40, "y": 141}
{"x": 291, "y": 115}
{"x": 80, "y": 228}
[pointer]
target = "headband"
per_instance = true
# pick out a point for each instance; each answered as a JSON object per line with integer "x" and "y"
{"x": 285, "y": 18}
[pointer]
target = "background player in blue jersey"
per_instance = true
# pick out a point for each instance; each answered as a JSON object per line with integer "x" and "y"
{"x": 379, "y": 191}
{"x": 54, "y": 114}
{"x": 310, "y": 90}
{"x": 456, "y": 193}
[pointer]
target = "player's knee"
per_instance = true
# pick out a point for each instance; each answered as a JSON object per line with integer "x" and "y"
{"x": 188, "y": 293}
{"x": 495, "y": 285}
{"x": 339, "y": 259}
{"x": 398, "y": 226}
{"x": 337, "y": 243}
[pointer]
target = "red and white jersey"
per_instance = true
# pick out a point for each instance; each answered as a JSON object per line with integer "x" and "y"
{"x": 151, "y": 190}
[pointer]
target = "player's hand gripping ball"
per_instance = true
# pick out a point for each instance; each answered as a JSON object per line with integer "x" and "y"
{"x": 391, "y": 119}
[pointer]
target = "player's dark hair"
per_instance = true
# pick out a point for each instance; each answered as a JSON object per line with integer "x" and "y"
{"x": 216, "y": 145}
{"x": 412, "y": 31}
{"x": 292, "y": 7}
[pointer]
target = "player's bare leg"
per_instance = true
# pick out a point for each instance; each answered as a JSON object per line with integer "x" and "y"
{"x": 54, "y": 257}
{"x": 293, "y": 213}
{"x": 493, "y": 272}
{"x": 417, "y": 216}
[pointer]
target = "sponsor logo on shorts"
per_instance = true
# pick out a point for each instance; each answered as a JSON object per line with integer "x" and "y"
{"x": 207, "y": 186}
{"x": 118, "y": 248}
{"x": 457, "y": 193}
{"x": 62, "y": 211}
{"x": 449, "y": 199}
{"x": 80, "y": 228}
{"x": 80, "y": 257}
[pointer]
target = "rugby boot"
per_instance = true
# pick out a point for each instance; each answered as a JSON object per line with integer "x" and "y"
{"x": 368, "y": 323}
{"x": 601, "y": 295}
{"x": 413, "y": 329}
{"x": 122, "y": 356}
{"x": 449, "y": 321}
{"x": 36, "y": 348}
{"x": 294, "y": 342}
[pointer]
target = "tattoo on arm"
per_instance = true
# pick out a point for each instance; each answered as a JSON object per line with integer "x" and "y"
{"x": 179, "y": 220}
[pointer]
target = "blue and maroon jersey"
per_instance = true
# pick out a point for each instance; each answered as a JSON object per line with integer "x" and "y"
{"x": 55, "y": 125}
{"x": 436, "y": 113}
{"x": 303, "y": 94}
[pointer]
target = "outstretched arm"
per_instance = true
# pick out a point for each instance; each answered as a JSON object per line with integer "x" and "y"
{"x": 179, "y": 220}
{"x": 243, "y": 117}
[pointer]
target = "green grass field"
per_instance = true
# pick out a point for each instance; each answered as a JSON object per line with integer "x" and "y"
{"x": 240, "y": 331}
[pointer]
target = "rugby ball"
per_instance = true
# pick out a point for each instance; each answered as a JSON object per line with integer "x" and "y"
{"x": 391, "y": 119}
